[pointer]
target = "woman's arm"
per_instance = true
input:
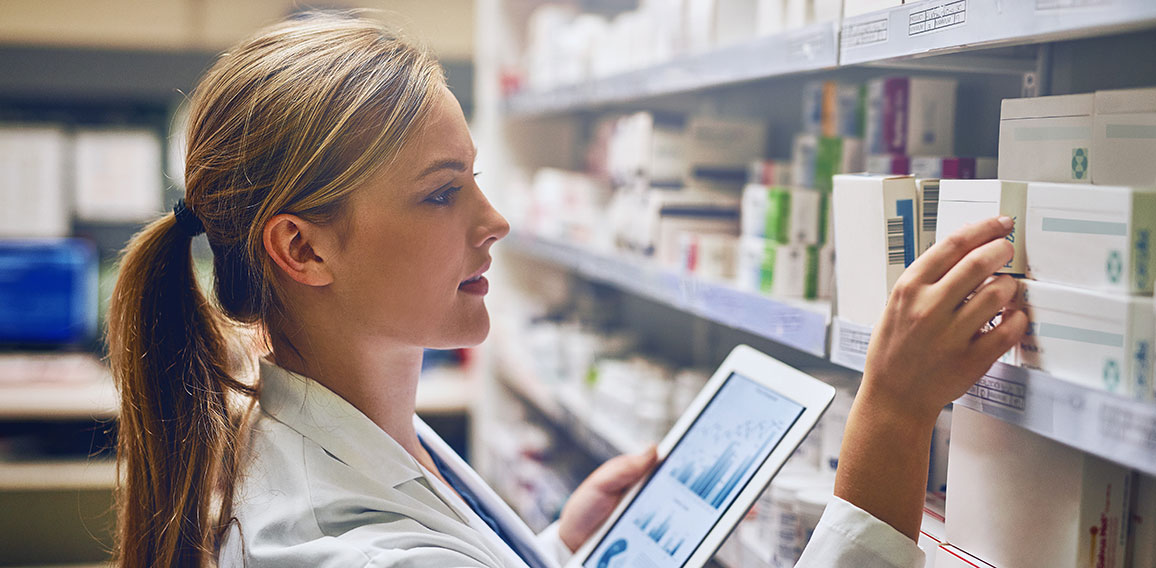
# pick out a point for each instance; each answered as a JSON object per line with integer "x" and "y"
{"x": 925, "y": 352}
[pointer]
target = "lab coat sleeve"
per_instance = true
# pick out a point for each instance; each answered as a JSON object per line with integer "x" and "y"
{"x": 849, "y": 536}
{"x": 550, "y": 543}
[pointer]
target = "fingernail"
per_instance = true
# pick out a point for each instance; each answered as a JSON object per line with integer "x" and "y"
{"x": 1007, "y": 222}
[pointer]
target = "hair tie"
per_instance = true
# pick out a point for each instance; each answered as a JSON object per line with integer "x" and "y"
{"x": 187, "y": 221}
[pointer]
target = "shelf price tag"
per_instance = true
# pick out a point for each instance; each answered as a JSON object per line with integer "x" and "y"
{"x": 923, "y": 20}
{"x": 1000, "y": 392}
{"x": 1124, "y": 425}
{"x": 860, "y": 34}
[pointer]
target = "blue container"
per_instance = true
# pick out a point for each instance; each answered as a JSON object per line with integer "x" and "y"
{"x": 48, "y": 291}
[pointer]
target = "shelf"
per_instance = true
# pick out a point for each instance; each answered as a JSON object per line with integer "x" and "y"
{"x": 71, "y": 386}
{"x": 807, "y": 49}
{"x": 58, "y": 475}
{"x": 444, "y": 391}
{"x": 798, "y": 324}
{"x": 1117, "y": 429}
{"x": 943, "y": 26}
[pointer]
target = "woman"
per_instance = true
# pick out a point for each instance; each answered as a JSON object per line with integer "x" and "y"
{"x": 332, "y": 171}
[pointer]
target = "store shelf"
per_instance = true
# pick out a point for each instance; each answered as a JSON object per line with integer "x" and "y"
{"x": 943, "y": 26}
{"x": 71, "y": 386}
{"x": 1115, "y": 428}
{"x": 806, "y": 49}
{"x": 445, "y": 391}
{"x": 798, "y": 324}
{"x": 58, "y": 475}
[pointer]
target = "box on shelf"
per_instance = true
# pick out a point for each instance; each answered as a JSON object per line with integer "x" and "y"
{"x": 1098, "y": 237}
{"x": 670, "y": 213}
{"x": 859, "y": 7}
{"x": 718, "y": 151}
{"x": 770, "y": 172}
{"x": 769, "y": 17}
{"x": 825, "y": 283}
{"x": 1142, "y": 529}
{"x": 48, "y": 293}
{"x": 948, "y": 556}
{"x": 911, "y": 115}
{"x": 927, "y": 192}
{"x": 33, "y": 200}
{"x": 1004, "y": 509}
{"x": 833, "y": 109}
{"x": 710, "y": 256}
{"x": 841, "y": 155}
{"x": 953, "y": 167}
{"x": 1124, "y": 139}
{"x": 804, "y": 152}
{"x": 1099, "y": 340}
{"x": 783, "y": 214}
{"x": 888, "y": 164}
{"x": 780, "y": 270}
{"x": 962, "y": 202}
{"x": 1047, "y": 139}
{"x": 734, "y": 21}
{"x": 118, "y": 175}
{"x": 875, "y": 220}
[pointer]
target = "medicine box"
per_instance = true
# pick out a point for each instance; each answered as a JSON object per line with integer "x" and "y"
{"x": 118, "y": 175}
{"x": 780, "y": 270}
{"x": 948, "y": 556}
{"x": 859, "y": 7}
{"x": 1096, "y": 237}
{"x": 32, "y": 188}
{"x": 669, "y": 213}
{"x": 718, "y": 151}
{"x": 875, "y": 240}
{"x": 953, "y": 167}
{"x": 837, "y": 155}
{"x": 48, "y": 295}
{"x": 927, "y": 192}
{"x": 770, "y": 172}
{"x": 804, "y": 152}
{"x": 783, "y": 214}
{"x": 1047, "y": 139}
{"x": 962, "y": 202}
{"x": 1016, "y": 498}
{"x": 1124, "y": 139}
{"x": 1142, "y": 530}
{"x": 911, "y": 115}
{"x": 833, "y": 109}
{"x": 734, "y": 21}
{"x": 888, "y": 164}
{"x": 1099, "y": 340}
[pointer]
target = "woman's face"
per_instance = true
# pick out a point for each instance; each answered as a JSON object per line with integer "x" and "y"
{"x": 418, "y": 237}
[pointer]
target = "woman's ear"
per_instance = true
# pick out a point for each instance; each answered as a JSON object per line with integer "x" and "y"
{"x": 299, "y": 249}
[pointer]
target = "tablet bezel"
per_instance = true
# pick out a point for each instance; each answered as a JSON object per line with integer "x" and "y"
{"x": 809, "y": 392}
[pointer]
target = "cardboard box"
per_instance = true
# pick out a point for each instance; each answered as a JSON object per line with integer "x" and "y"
{"x": 1094, "y": 237}
{"x": 33, "y": 200}
{"x": 1018, "y": 499}
{"x": 1099, "y": 340}
{"x": 948, "y": 556}
{"x": 875, "y": 226}
{"x": 670, "y": 213}
{"x": 783, "y": 214}
{"x": 718, "y": 151}
{"x": 911, "y": 115}
{"x": 927, "y": 192}
{"x": 963, "y": 202}
{"x": 1047, "y": 139}
{"x": 780, "y": 270}
{"x": 1124, "y": 139}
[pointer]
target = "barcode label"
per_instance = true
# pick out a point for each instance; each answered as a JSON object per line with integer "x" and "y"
{"x": 930, "y": 205}
{"x": 895, "y": 242}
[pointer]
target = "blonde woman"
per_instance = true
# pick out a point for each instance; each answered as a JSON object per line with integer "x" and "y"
{"x": 332, "y": 172}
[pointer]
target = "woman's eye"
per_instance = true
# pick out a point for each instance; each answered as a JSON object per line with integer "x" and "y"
{"x": 444, "y": 197}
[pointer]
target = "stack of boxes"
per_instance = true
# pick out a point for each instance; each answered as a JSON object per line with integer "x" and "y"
{"x": 1085, "y": 212}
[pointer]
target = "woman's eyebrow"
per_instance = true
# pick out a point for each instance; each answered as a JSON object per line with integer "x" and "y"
{"x": 446, "y": 164}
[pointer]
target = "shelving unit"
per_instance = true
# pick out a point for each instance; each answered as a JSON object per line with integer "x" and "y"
{"x": 58, "y": 475}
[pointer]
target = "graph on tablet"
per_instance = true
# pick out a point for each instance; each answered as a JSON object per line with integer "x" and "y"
{"x": 699, "y": 479}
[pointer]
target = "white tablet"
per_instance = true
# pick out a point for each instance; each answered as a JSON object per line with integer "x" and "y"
{"x": 713, "y": 464}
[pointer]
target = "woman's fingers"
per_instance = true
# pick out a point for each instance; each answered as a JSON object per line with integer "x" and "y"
{"x": 969, "y": 273}
{"x": 992, "y": 297}
{"x": 991, "y": 345}
{"x": 932, "y": 265}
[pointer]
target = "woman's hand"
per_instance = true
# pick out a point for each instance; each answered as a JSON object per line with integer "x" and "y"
{"x": 596, "y": 497}
{"x": 929, "y": 347}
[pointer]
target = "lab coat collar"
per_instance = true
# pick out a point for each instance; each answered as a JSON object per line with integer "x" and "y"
{"x": 321, "y": 415}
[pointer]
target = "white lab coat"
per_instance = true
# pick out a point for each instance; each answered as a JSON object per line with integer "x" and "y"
{"x": 323, "y": 486}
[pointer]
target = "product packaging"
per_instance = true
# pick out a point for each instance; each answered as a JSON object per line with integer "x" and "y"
{"x": 940, "y": 443}
{"x": 783, "y": 214}
{"x": 927, "y": 191}
{"x": 948, "y": 556}
{"x": 826, "y": 280}
{"x": 1124, "y": 139}
{"x": 953, "y": 168}
{"x": 888, "y": 164}
{"x": 1142, "y": 530}
{"x": 118, "y": 175}
{"x": 875, "y": 226}
{"x": 963, "y": 202}
{"x": 860, "y": 7}
{"x": 1047, "y": 139}
{"x": 780, "y": 270}
{"x": 769, "y": 17}
{"x": 1019, "y": 499}
{"x": 734, "y": 21}
{"x": 804, "y": 152}
{"x": 710, "y": 256}
{"x": 1098, "y": 237}
{"x": 1099, "y": 340}
{"x": 911, "y": 115}
{"x": 667, "y": 214}
{"x": 842, "y": 155}
{"x": 32, "y": 188}
{"x": 718, "y": 151}
{"x": 833, "y": 109}
{"x": 770, "y": 173}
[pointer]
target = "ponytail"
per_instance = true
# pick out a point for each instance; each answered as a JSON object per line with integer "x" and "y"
{"x": 177, "y": 428}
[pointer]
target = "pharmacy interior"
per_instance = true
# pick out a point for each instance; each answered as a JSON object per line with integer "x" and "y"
{"x": 681, "y": 176}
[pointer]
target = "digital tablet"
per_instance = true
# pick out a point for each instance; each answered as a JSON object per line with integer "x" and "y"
{"x": 714, "y": 463}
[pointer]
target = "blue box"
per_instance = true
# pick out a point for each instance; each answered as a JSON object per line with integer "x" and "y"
{"x": 48, "y": 291}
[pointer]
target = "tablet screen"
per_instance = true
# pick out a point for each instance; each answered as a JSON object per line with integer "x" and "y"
{"x": 695, "y": 485}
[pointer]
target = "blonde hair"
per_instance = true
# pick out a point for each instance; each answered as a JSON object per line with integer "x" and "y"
{"x": 292, "y": 120}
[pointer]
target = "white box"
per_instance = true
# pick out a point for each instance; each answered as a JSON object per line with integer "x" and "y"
{"x": 770, "y": 17}
{"x": 888, "y": 164}
{"x": 782, "y": 214}
{"x": 1142, "y": 530}
{"x": 962, "y": 202}
{"x": 948, "y": 556}
{"x": 1099, "y": 340}
{"x": 927, "y": 192}
{"x": 669, "y": 213}
{"x": 734, "y": 21}
{"x": 33, "y": 199}
{"x": 770, "y": 172}
{"x": 858, "y": 7}
{"x": 784, "y": 271}
{"x": 1047, "y": 139}
{"x": 1097, "y": 237}
{"x": 1018, "y": 499}
{"x": 804, "y": 151}
{"x": 875, "y": 240}
{"x": 826, "y": 11}
{"x": 719, "y": 151}
{"x": 838, "y": 155}
{"x": 710, "y": 256}
{"x": 1124, "y": 139}
{"x": 911, "y": 115}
